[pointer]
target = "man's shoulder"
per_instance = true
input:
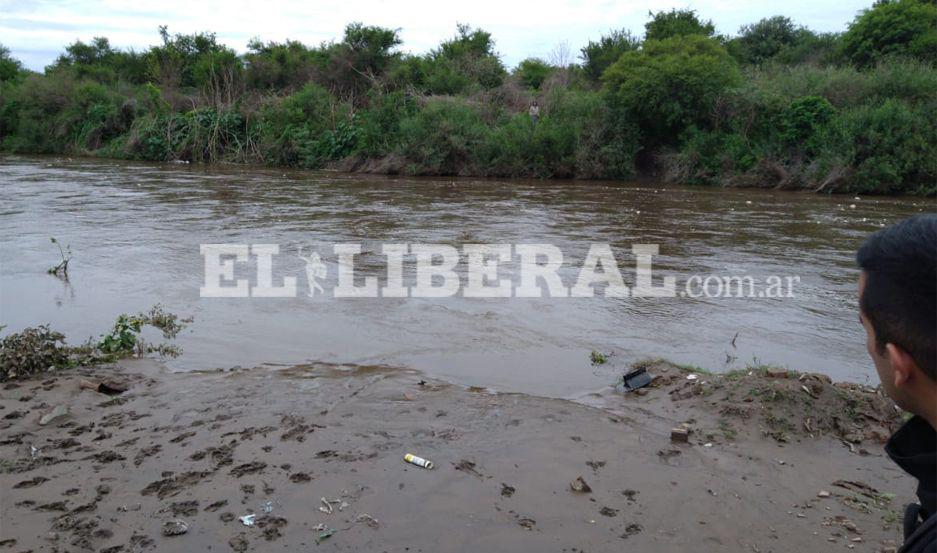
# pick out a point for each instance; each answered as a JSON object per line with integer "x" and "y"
{"x": 922, "y": 540}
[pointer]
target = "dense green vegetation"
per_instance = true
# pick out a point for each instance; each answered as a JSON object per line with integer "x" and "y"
{"x": 776, "y": 105}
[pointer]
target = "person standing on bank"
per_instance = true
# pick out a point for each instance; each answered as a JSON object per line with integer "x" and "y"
{"x": 534, "y": 112}
{"x": 898, "y": 309}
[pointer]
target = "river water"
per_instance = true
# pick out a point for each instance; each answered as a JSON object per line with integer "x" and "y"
{"x": 135, "y": 232}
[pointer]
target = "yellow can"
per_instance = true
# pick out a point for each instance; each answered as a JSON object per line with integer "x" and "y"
{"x": 418, "y": 461}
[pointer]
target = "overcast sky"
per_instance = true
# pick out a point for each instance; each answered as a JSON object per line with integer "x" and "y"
{"x": 37, "y": 31}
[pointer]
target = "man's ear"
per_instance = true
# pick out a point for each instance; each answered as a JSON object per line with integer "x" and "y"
{"x": 904, "y": 368}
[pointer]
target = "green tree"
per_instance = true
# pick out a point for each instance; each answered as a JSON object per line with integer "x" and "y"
{"x": 809, "y": 48}
{"x": 282, "y": 66}
{"x": 759, "y": 42}
{"x": 370, "y": 48}
{"x": 670, "y": 85}
{"x": 533, "y": 71}
{"x": 597, "y": 56}
{"x": 10, "y": 67}
{"x": 173, "y": 64}
{"x": 893, "y": 27}
{"x": 458, "y": 64}
{"x": 676, "y": 23}
{"x": 100, "y": 61}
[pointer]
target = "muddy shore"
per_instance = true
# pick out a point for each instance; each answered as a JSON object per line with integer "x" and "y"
{"x": 775, "y": 461}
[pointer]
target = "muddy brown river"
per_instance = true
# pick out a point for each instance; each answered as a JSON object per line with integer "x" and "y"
{"x": 135, "y": 231}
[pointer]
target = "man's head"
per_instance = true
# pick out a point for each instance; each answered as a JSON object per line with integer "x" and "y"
{"x": 898, "y": 308}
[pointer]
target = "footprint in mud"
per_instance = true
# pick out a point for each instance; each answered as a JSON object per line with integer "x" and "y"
{"x": 300, "y": 477}
{"x": 146, "y": 452}
{"x": 595, "y": 465}
{"x": 79, "y": 430}
{"x": 632, "y": 529}
{"x": 128, "y": 443}
{"x": 248, "y": 468}
{"x": 184, "y": 508}
{"x": 216, "y": 505}
{"x": 54, "y": 506}
{"x": 171, "y": 485}
{"x": 467, "y": 467}
{"x": 106, "y": 456}
{"x": 271, "y": 526}
{"x": 181, "y": 437}
{"x": 220, "y": 456}
{"x": 15, "y": 439}
{"x": 84, "y": 508}
{"x": 35, "y": 481}
{"x": 64, "y": 443}
{"x": 507, "y": 491}
{"x": 238, "y": 543}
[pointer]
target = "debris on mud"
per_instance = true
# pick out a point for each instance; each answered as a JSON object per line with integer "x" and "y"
{"x": 784, "y": 404}
{"x": 248, "y": 520}
{"x": 175, "y": 527}
{"x": 109, "y": 387}
{"x": 637, "y": 378}
{"x": 579, "y": 485}
{"x": 57, "y": 413}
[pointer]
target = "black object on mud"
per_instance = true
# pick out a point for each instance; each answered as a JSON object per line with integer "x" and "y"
{"x": 637, "y": 378}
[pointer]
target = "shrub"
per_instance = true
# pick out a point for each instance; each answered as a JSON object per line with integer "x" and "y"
{"x": 761, "y": 41}
{"x": 285, "y": 67}
{"x": 893, "y": 27}
{"x": 306, "y": 129}
{"x": 670, "y": 85}
{"x": 803, "y": 121}
{"x": 379, "y": 125}
{"x": 442, "y": 138}
{"x": 464, "y": 62}
{"x": 532, "y": 72}
{"x": 10, "y": 68}
{"x": 676, "y": 22}
{"x": 597, "y": 56}
{"x": 891, "y": 147}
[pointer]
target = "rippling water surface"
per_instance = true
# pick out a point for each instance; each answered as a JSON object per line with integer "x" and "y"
{"x": 135, "y": 231}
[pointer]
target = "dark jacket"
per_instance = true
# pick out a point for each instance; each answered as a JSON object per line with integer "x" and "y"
{"x": 914, "y": 448}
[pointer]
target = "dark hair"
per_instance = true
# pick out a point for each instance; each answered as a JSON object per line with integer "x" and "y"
{"x": 900, "y": 295}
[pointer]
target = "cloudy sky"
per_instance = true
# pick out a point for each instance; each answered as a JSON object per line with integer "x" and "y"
{"x": 37, "y": 31}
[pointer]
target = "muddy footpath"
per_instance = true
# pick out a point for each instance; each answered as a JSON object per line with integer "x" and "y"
{"x": 311, "y": 458}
